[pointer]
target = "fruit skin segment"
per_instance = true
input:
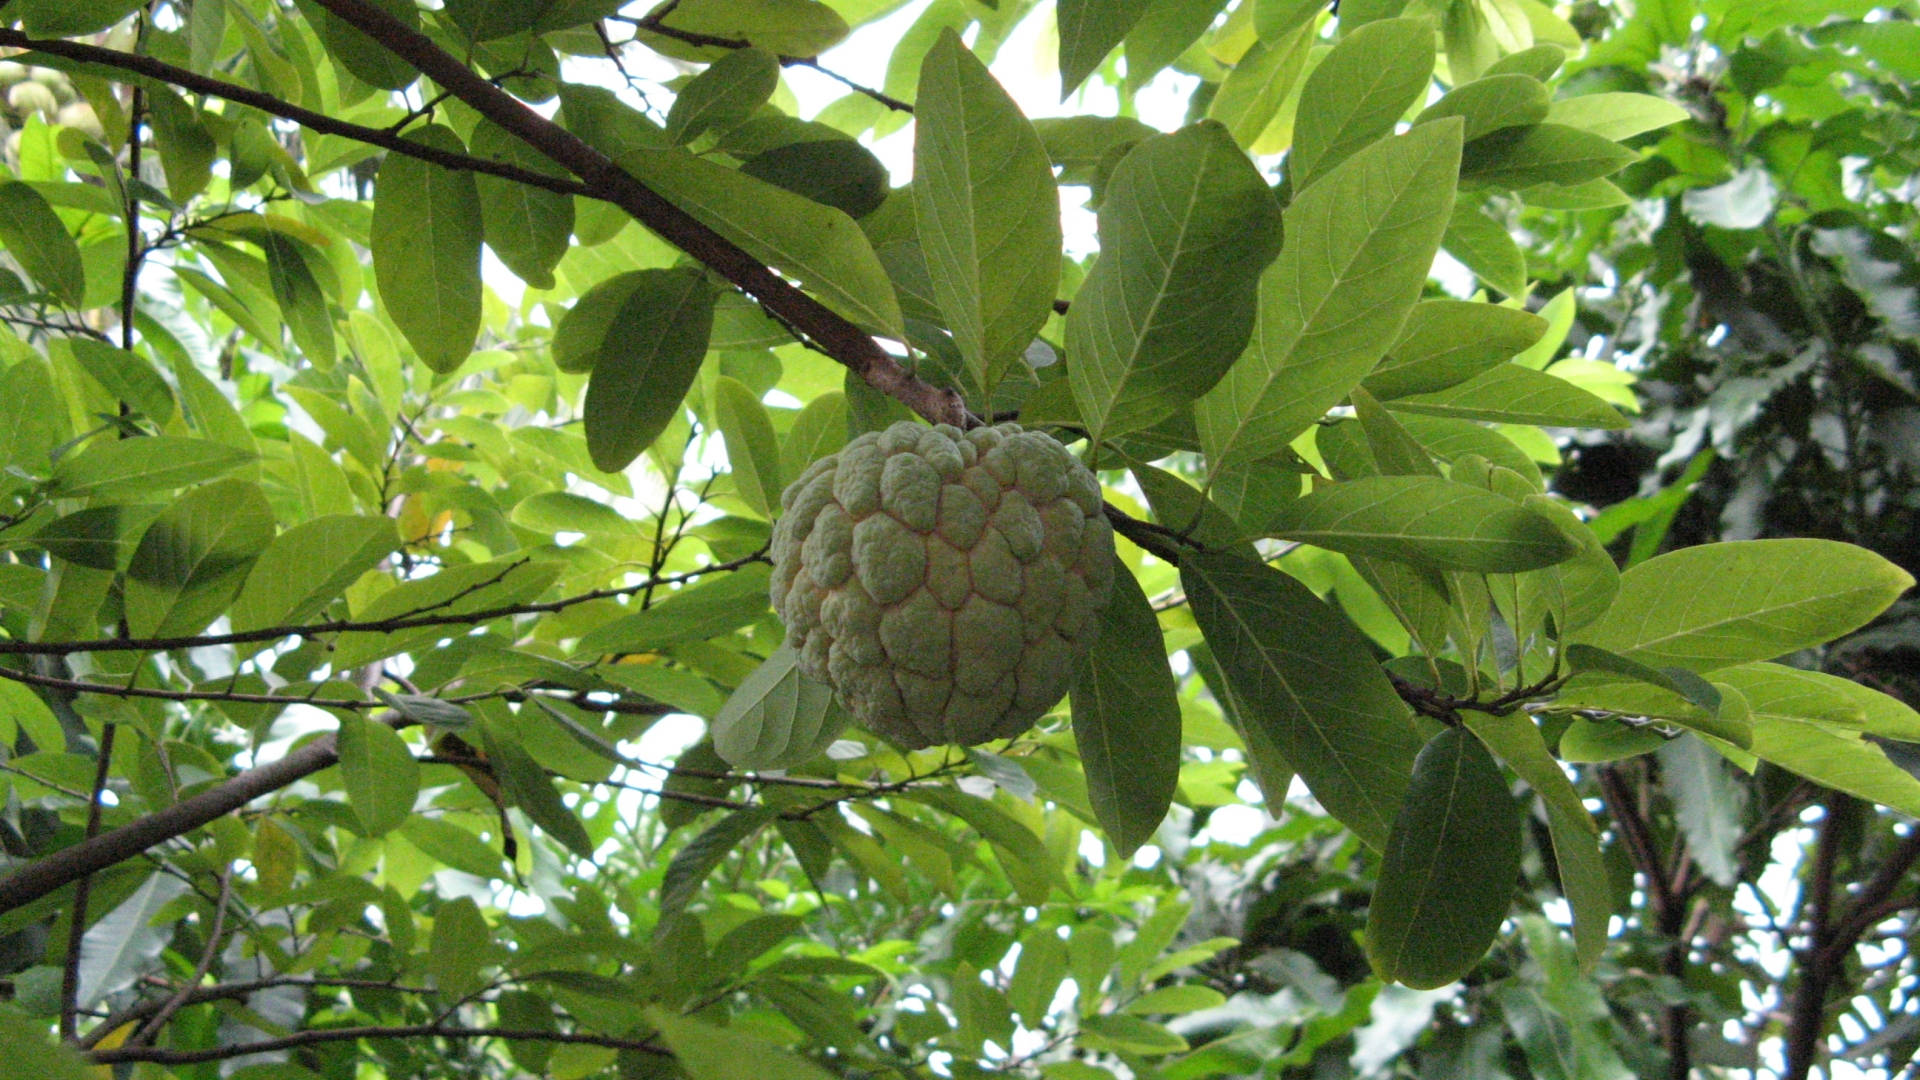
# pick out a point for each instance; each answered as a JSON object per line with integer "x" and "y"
{"x": 944, "y": 583}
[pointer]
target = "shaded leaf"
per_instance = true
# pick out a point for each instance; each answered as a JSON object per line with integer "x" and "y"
{"x": 1126, "y": 719}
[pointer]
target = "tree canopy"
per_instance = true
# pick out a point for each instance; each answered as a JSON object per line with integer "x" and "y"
{"x": 1504, "y": 412}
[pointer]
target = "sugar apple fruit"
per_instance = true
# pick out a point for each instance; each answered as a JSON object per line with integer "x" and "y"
{"x": 944, "y": 583}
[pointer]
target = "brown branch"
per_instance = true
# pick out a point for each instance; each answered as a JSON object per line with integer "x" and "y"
{"x": 77, "y": 920}
{"x": 1819, "y": 961}
{"x": 834, "y": 334}
{"x": 152, "y": 1028}
{"x": 63, "y": 867}
{"x": 267, "y": 103}
{"x": 190, "y": 994}
{"x": 412, "y": 621}
{"x": 656, "y": 23}
{"x": 318, "y": 1036}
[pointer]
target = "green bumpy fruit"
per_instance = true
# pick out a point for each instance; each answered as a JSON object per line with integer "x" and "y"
{"x": 944, "y": 583}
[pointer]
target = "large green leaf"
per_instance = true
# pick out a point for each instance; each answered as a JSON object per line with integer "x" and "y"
{"x": 1259, "y": 84}
{"x": 1520, "y": 157}
{"x": 147, "y": 467}
{"x": 1360, "y": 244}
{"x": 1023, "y": 858}
{"x": 695, "y": 613}
{"x": 308, "y": 566}
{"x": 753, "y": 450}
{"x": 1301, "y": 672}
{"x": 1089, "y": 29}
{"x": 1576, "y": 838}
{"x": 426, "y": 235}
{"x": 380, "y": 774}
{"x": 1357, "y": 94}
{"x": 646, "y": 363}
{"x": 1447, "y": 342}
{"x": 462, "y": 945}
{"x": 1485, "y": 247}
{"x": 1492, "y": 103}
{"x": 1616, "y": 115}
{"x": 128, "y": 376}
{"x": 527, "y": 785}
{"x": 1126, "y": 719}
{"x": 1515, "y": 394}
{"x": 34, "y": 236}
{"x": 1827, "y": 699}
{"x": 1427, "y": 521}
{"x": 988, "y": 212}
{"x": 528, "y": 228}
{"x": 1719, "y": 604}
{"x": 301, "y": 300}
{"x": 817, "y": 244}
{"x": 691, "y": 864}
{"x": 194, "y": 558}
{"x": 1186, "y": 225}
{"x": 715, "y": 1053}
{"x": 777, "y": 718}
{"x": 1826, "y": 754}
{"x": 781, "y": 27}
{"x": 726, "y": 93}
{"x": 1163, "y": 32}
{"x": 1446, "y": 880}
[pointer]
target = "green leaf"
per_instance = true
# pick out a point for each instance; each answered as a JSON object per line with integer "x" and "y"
{"x": 187, "y": 149}
{"x": 36, "y": 239}
{"x": 1023, "y": 858}
{"x": 426, "y": 238}
{"x": 529, "y": 788}
{"x": 1089, "y": 29}
{"x": 1357, "y": 94}
{"x": 1827, "y": 699}
{"x": 444, "y": 842}
{"x": 752, "y": 448}
{"x": 31, "y": 1049}
{"x": 777, "y": 718}
{"x": 1709, "y": 806}
{"x": 1363, "y": 239}
{"x": 1301, "y": 673}
{"x": 1616, "y": 115}
{"x": 820, "y": 246}
{"x": 1122, "y": 1034}
{"x": 692, "y": 863}
{"x": 365, "y": 57}
{"x": 729, "y": 91}
{"x": 1581, "y": 658}
{"x": 30, "y": 425}
{"x": 839, "y": 173}
{"x": 1715, "y": 605}
{"x": 529, "y": 229}
{"x": 1259, "y": 84}
{"x": 1447, "y": 342}
{"x": 305, "y": 568}
{"x": 1514, "y": 394}
{"x": 714, "y": 1053}
{"x": 1126, "y": 719}
{"x": 380, "y": 774}
{"x": 1576, "y": 837}
{"x": 695, "y": 613}
{"x": 781, "y": 27}
{"x": 1541, "y": 154}
{"x": 1800, "y": 737}
{"x": 1426, "y": 521}
{"x": 646, "y": 363}
{"x": 194, "y": 558}
{"x": 1446, "y": 879}
{"x": 298, "y": 292}
{"x": 69, "y": 18}
{"x": 1485, "y": 247}
{"x": 1492, "y": 103}
{"x": 1165, "y": 29}
{"x": 128, "y": 377}
{"x": 1579, "y": 590}
{"x": 987, "y": 210}
{"x": 1185, "y": 228}
{"x": 461, "y": 947}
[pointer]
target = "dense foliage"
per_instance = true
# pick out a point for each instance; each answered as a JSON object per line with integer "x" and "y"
{"x": 398, "y": 408}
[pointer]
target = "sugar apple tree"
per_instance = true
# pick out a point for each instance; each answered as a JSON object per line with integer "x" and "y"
{"x": 520, "y": 554}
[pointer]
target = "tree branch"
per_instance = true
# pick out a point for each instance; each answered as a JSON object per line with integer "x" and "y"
{"x": 318, "y": 1036}
{"x": 836, "y": 336}
{"x": 63, "y": 867}
{"x": 378, "y": 626}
